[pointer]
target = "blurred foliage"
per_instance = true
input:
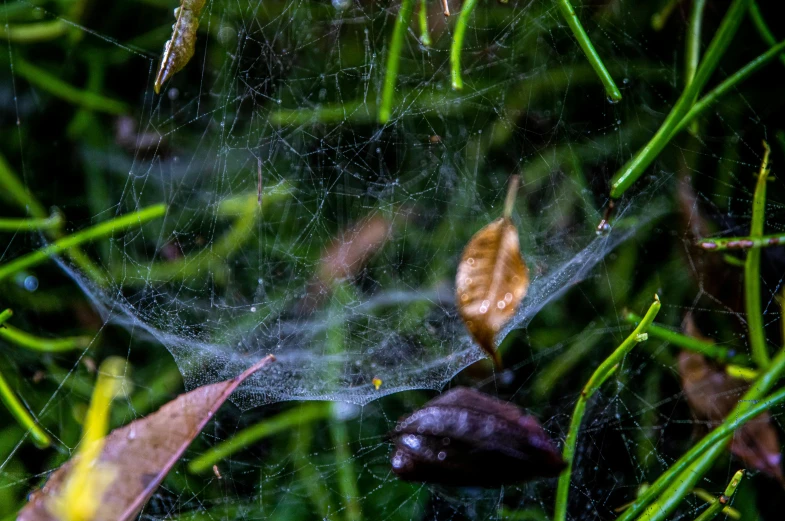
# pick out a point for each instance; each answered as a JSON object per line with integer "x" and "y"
{"x": 76, "y": 74}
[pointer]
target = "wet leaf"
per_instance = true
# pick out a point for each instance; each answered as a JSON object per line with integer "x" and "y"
{"x": 712, "y": 394}
{"x": 179, "y": 49}
{"x": 141, "y": 453}
{"x": 492, "y": 280}
{"x": 467, "y": 438}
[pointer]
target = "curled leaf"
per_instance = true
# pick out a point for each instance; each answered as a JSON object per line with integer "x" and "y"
{"x": 492, "y": 280}
{"x": 140, "y": 454}
{"x": 179, "y": 49}
{"x": 467, "y": 438}
{"x": 712, "y": 394}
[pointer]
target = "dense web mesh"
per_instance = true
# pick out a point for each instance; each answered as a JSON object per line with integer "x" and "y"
{"x": 297, "y": 225}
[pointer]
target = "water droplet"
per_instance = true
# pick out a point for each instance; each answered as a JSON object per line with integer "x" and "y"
{"x": 30, "y": 283}
{"x": 442, "y": 455}
{"x": 253, "y": 309}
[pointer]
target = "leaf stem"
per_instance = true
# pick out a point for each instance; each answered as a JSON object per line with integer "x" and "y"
{"x": 718, "y": 504}
{"x": 394, "y": 59}
{"x": 512, "y": 195}
{"x": 635, "y": 167}
{"x": 601, "y": 374}
{"x": 282, "y": 422}
{"x": 457, "y": 42}
{"x": 752, "y": 268}
{"x": 691, "y": 344}
{"x": 98, "y": 231}
{"x": 693, "y": 50}
{"x": 567, "y": 11}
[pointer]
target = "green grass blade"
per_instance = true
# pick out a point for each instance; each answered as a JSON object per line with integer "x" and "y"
{"x": 33, "y": 32}
{"x": 680, "y": 478}
{"x": 752, "y": 269}
{"x": 65, "y": 91}
{"x": 15, "y": 225}
{"x": 568, "y": 12}
{"x": 691, "y": 344}
{"x": 718, "y": 504}
{"x": 282, "y": 422}
{"x": 603, "y": 372}
{"x": 425, "y": 34}
{"x": 457, "y": 43}
{"x": 394, "y": 59}
{"x": 635, "y": 167}
{"x": 15, "y": 406}
{"x": 98, "y": 231}
{"x": 763, "y": 29}
{"x": 43, "y": 345}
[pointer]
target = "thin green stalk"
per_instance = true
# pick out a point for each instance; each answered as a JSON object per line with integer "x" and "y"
{"x": 14, "y": 191}
{"x": 43, "y": 345}
{"x": 680, "y": 478}
{"x": 660, "y": 18}
{"x": 691, "y": 344}
{"x": 57, "y": 87}
{"x": 308, "y": 475}
{"x": 742, "y": 243}
{"x": 567, "y": 11}
{"x": 305, "y": 413}
{"x": 693, "y": 50}
{"x": 347, "y": 478}
{"x": 457, "y": 42}
{"x": 14, "y": 225}
{"x": 730, "y": 82}
{"x": 760, "y": 25}
{"x": 710, "y": 499}
{"x": 635, "y": 167}
{"x": 33, "y": 32}
{"x": 98, "y": 231}
{"x": 718, "y": 504}
{"x": 394, "y": 59}
{"x": 601, "y": 374}
{"x": 752, "y": 268}
{"x": 425, "y": 34}
{"x": 15, "y": 407}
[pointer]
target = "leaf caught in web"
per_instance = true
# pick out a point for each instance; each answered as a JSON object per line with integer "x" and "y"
{"x": 179, "y": 49}
{"x": 492, "y": 278}
{"x": 141, "y": 453}
{"x": 711, "y": 394}
{"x": 467, "y": 438}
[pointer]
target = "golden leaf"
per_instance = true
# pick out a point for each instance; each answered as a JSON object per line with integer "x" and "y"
{"x": 492, "y": 279}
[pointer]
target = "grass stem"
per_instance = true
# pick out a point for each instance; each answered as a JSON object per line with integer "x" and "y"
{"x": 567, "y": 11}
{"x": 14, "y": 225}
{"x": 718, "y": 504}
{"x": 98, "y": 231}
{"x": 43, "y": 345}
{"x": 15, "y": 406}
{"x": 457, "y": 42}
{"x": 763, "y": 29}
{"x": 635, "y": 167}
{"x": 691, "y": 344}
{"x": 601, "y": 374}
{"x": 282, "y": 422}
{"x": 394, "y": 59}
{"x": 425, "y": 35}
{"x": 752, "y": 303}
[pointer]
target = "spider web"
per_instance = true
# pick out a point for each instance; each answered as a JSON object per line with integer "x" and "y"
{"x": 267, "y": 152}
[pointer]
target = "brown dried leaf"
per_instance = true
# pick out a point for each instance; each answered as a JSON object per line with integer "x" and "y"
{"x": 142, "y": 452}
{"x": 492, "y": 280}
{"x": 345, "y": 258}
{"x": 712, "y": 394}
